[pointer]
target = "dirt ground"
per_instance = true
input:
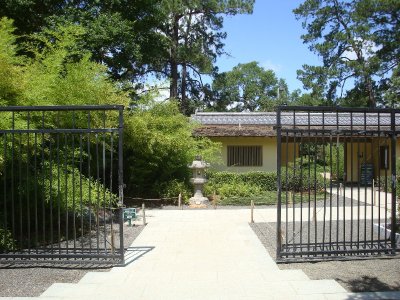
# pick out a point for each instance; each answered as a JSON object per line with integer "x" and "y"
{"x": 369, "y": 275}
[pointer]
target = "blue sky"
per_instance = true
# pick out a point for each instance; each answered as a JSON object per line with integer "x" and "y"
{"x": 270, "y": 36}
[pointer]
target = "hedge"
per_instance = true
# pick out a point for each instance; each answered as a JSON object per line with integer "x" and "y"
{"x": 256, "y": 183}
{"x": 301, "y": 181}
{"x": 264, "y": 180}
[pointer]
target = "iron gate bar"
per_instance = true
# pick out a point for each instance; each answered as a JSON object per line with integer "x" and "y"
{"x": 301, "y": 192}
{"x": 309, "y": 183}
{"x": 364, "y": 131}
{"x": 121, "y": 180}
{"x": 323, "y": 154}
{"x": 279, "y": 183}
{"x": 379, "y": 179}
{"x": 372, "y": 194}
{"x": 394, "y": 198}
{"x": 352, "y": 179}
{"x": 43, "y": 158}
{"x": 294, "y": 176}
{"x": 365, "y": 180}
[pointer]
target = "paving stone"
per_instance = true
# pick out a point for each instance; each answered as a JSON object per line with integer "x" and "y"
{"x": 364, "y": 296}
{"x": 317, "y": 287}
{"x": 203, "y": 254}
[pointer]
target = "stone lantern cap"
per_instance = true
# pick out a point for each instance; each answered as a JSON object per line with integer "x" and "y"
{"x": 198, "y": 163}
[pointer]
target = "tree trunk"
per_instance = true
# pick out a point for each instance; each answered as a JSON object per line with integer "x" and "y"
{"x": 184, "y": 102}
{"x": 370, "y": 91}
{"x": 173, "y": 88}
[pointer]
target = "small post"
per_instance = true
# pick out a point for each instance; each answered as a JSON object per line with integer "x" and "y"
{"x": 252, "y": 211}
{"x": 315, "y": 215}
{"x": 290, "y": 197}
{"x": 144, "y": 214}
{"x": 215, "y": 200}
{"x": 180, "y": 200}
{"x": 112, "y": 241}
{"x": 373, "y": 192}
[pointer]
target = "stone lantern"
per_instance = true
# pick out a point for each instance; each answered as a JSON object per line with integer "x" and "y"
{"x": 198, "y": 167}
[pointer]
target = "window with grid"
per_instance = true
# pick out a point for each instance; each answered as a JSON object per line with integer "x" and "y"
{"x": 245, "y": 156}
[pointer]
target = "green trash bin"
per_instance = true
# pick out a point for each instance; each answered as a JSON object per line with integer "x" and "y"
{"x": 129, "y": 215}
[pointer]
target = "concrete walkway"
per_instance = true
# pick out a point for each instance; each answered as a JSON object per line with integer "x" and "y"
{"x": 201, "y": 254}
{"x": 365, "y": 194}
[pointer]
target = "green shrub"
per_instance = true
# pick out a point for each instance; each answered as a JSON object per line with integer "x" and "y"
{"x": 173, "y": 188}
{"x": 6, "y": 240}
{"x": 268, "y": 198}
{"x": 158, "y": 146}
{"x": 222, "y": 177}
{"x": 234, "y": 188}
{"x": 239, "y": 189}
{"x": 385, "y": 182}
{"x": 302, "y": 180}
{"x": 74, "y": 186}
{"x": 265, "y": 180}
{"x": 260, "y": 182}
{"x": 322, "y": 157}
{"x": 261, "y": 187}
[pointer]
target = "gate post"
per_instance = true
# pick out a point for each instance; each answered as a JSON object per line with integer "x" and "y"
{"x": 121, "y": 183}
{"x": 279, "y": 183}
{"x": 393, "y": 181}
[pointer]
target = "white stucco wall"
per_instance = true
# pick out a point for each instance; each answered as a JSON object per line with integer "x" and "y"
{"x": 269, "y": 156}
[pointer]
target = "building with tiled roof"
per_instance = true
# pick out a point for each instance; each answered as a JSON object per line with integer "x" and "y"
{"x": 249, "y": 139}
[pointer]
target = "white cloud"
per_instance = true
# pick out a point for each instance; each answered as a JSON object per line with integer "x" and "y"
{"x": 369, "y": 48}
{"x": 269, "y": 65}
{"x": 163, "y": 89}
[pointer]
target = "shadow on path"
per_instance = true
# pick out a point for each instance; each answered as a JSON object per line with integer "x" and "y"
{"x": 134, "y": 253}
{"x": 369, "y": 283}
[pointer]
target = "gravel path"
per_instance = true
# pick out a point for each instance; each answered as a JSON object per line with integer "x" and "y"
{"x": 371, "y": 275}
{"x": 32, "y": 280}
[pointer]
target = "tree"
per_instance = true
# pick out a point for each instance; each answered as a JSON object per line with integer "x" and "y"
{"x": 30, "y": 16}
{"x": 158, "y": 141}
{"x": 55, "y": 73}
{"x": 392, "y": 93}
{"x": 297, "y": 98}
{"x": 195, "y": 36}
{"x": 158, "y": 146}
{"x": 10, "y": 90}
{"x": 61, "y": 73}
{"x": 174, "y": 39}
{"x": 248, "y": 87}
{"x": 122, "y": 35}
{"x": 356, "y": 41}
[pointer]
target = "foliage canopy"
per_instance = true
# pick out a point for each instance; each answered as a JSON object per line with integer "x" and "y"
{"x": 358, "y": 43}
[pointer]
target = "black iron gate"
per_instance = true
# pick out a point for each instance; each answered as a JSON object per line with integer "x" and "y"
{"x": 61, "y": 185}
{"x": 336, "y": 182}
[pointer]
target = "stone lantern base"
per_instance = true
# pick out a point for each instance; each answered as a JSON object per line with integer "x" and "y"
{"x": 199, "y": 201}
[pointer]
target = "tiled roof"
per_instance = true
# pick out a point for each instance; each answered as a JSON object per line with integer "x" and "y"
{"x": 263, "y": 123}
{"x": 234, "y": 130}
{"x": 299, "y": 119}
